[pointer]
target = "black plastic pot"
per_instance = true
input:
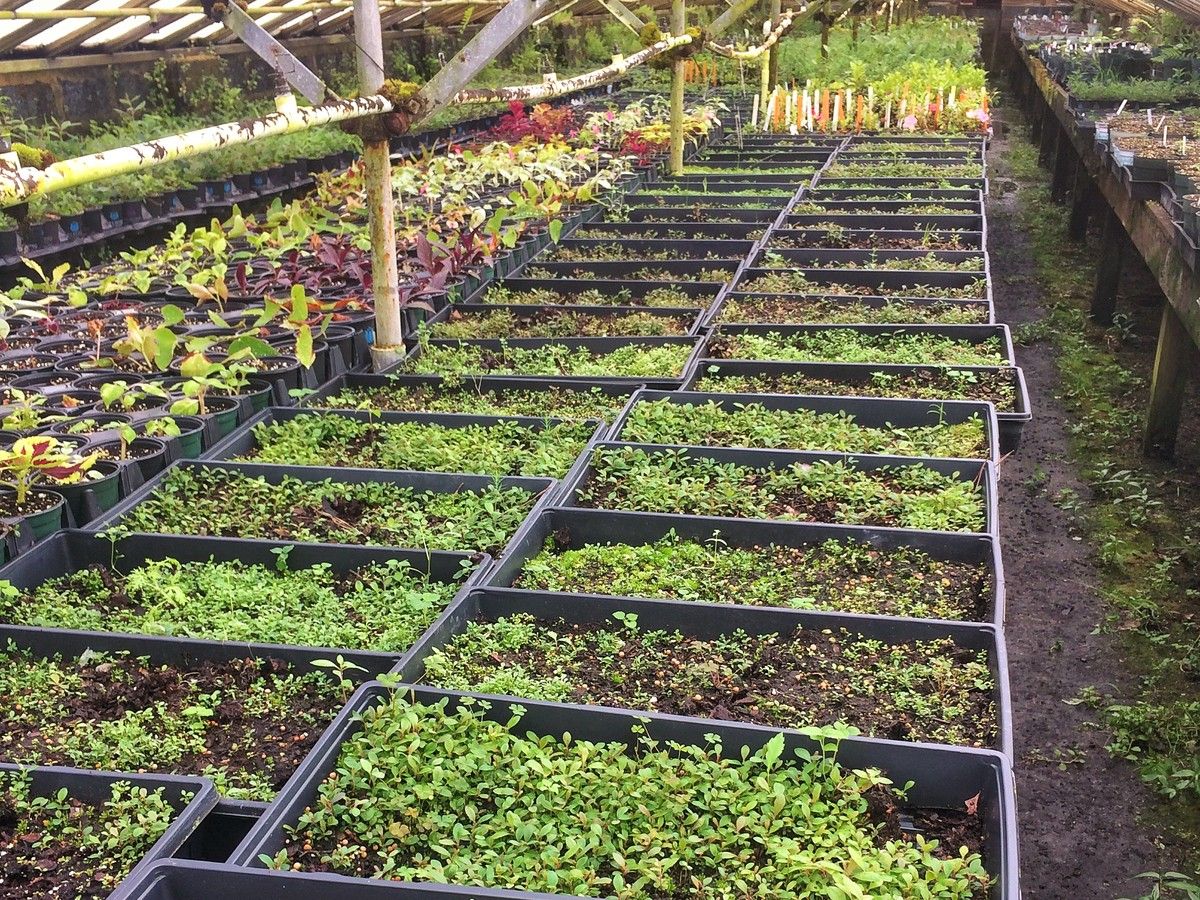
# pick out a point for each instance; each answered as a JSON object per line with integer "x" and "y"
{"x": 710, "y": 621}
{"x": 980, "y": 472}
{"x": 183, "y": 880}
{"x": 943, "y": 777}
{"x": 869, "y": 413}
{"x": 594, "y": 346}
{"x": 148, "y": 455}
{"x": 93, "y": 496}
{"x": 94, "y": 787}
{"x": 437, "y": 482}
{"x": 73, "y": 551}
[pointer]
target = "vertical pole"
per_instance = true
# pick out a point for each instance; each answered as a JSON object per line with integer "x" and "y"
{"x": 1173, "y": 357}
{"x": 891, "y": 11}
{"x": 1108, "y": 272}
{"x": 1063, "y": 152}
{"x": 776, "y": 12}
{"x": 388, "y": 348}
{"x": 1081, "y": 199}
{"x": 678, "y": 27}
{"x": 765, "y": 91}
{"x": 825, "y": 30}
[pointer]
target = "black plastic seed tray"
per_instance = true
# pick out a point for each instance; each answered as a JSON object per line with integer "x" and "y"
{"x": 712, "y": 215}
{"x": 899, "y": 184}
{"x": 822, "y": 194}
{"x": 185, "y": 880}
{"x": 95, "y": 787}
{"x": 712, "y": 621}
{"x": 896, "y": 207}
{"x": 702, "y": 199}
{"x": 594, "y": 346}
{"x": 1011, "y": 422}
{"x": 68, "y": 552}
{"x": 887, "y": 221}
{"x": 867, "y": 237}
{"x": 973, "y": 334}
{"x": 718, "y": 314}
{"x": 881, "y": 281}
{"x": 436, "y": 482}
{"x": 243, "y": 441}
{"x": 721, "y": 183}
{"x": 669, "y": 270}
{"x": 573, "y": 528}
{"x": 500, "y": 385}
{"x": 735, "y": 231}
{"x": 943, "y": 777}
{"x": 679, "y": 249}
{"x": 869, "y": 413}
{"x": 865, "y": 259}
{"x": 689, "y": 317}
{"x": 701, "y": 291}
{"x": 980, "y": 472}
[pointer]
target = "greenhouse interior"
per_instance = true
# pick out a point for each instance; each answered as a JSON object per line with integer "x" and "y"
{"x": 526, "y": 448}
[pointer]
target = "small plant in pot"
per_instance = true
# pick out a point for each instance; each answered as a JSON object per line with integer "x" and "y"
{"x": 25, "y": 467}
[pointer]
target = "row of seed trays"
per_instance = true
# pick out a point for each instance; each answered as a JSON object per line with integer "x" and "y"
{"x": 525, "y": 614}
{"x": 220, "y": 647}
{"x": 600, "y": 656}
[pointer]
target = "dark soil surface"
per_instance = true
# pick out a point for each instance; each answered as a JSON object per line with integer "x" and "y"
{"x": 782, "y": 680}
{"x": 1081, "y": 811}
{"x": 935, "y": 240}
{"x": 563, "y": 323}
{"x": 59, "y": 871}
{"x": 35, "y": 502}
{"x": 234, "y": 740}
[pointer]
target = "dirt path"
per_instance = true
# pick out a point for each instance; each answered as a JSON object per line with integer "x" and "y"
{"x": 1079, "y": 809}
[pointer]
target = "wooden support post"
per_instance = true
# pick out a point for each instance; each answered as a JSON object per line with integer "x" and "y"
{"x": 1174, "y": 359}
{"x": 1049, "y": 133}
{"x": 1081, "y": 200}
{"x": 825, "y": 30}
{"x": 678, "y": 27}
{"x": 764, "y": 91}
{"x": 1108, "y": 271}
{"x": 1063, "y": 155}
{"x": 773, "y": 74}
{"x": 388, "y": 348}
{"x": 891, "y": 11}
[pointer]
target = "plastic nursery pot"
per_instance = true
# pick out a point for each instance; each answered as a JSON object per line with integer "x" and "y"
{"x": 434, "y": 482}
{"x": 189, "y": 443}
{"x": 868, "y": 413}
{"x": 177, "y": 879}
{"x": 10, "y": 242}
{"x": 149, "y": 455}
{"x": 712, "y": 621}
{"x": 44, "y": 522}
{"x": 190, "y": 797}
{"x": 943, "y": 777}
{"x": 107, "y": 427}
{"x": 978, "y": 472}
{"x": 74, "y": 551}
{"x": 572, "y": 528}
{"x": 97, "y": 493}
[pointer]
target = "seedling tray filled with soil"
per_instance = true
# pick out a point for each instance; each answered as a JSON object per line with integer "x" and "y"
{"x": 425, "y": 442}
{"x": 661, "y": 361}
{"x": 799, "y": 309}
{"x": 869, "y": 282}
{"x": 903, "y": 184}
{"x": 868, "y": 239}
{"x": 177, "y": 879}
{"x": 917, "y": 260}
{"x": 68, "y": 833}
{"x": 259, "y": 596}
{"x": 697, "y": 271}
{"x": 882, "y": 208}
{"x": 704, "y": 199}
{"x": 583, "y": 250}
{"x": 897, "y": 427}
{"x": 371, "y": 507}
{"x": 711, "y": 215}
{"x": 607, "y": 771}
{"x": 111, "y": 702}
{"x": 970, "y": 345}
{"x": 651, "y": 231}
{"x": 488, "y": 320}
{"x": 892, "y": 221}
{"x": 793, "y": 565}
{"x": 826, "y": 192}
{"x": 1002, "y": 386}
{"x": 879, "y": 491}
{"x": 901, "y": 679}
{"x": 503, "y": 396}
{"x": 575, "y": 292}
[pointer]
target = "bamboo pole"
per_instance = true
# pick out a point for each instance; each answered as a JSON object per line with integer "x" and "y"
{"x": 678, "y": 27}
{"x": 388, "y": 346}
{"x": 764, "y": 79}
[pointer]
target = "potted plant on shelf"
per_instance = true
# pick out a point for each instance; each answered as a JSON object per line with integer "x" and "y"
{"x": 25, "y": 467}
